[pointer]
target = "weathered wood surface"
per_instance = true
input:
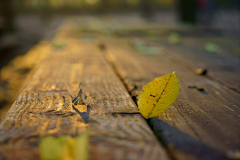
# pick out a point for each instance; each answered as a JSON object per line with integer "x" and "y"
{"x": 209, "y": 118}
{"x": 19, "y": 68}
{"x": 223, "y": 67}
{"x": 199, "y": 125}
{"x": 44, "y": 107}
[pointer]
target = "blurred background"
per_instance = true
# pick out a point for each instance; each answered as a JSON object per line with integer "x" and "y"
{"x": 24, "y": 23}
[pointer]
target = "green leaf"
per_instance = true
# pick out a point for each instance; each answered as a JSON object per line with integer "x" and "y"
{"x": 144, "y": 48}
{"x": 58, "y": 45}
{"x": 174, "y": 38}
{"x": 212, "y": 47}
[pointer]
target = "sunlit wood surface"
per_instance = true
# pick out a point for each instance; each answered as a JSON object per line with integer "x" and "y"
{"x": 201, "y": 124}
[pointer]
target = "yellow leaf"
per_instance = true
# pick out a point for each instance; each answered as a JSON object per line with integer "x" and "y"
{"x": 158, "y": 95}
{"x": 81, "y": 147}
{"x": 55, "y": 148}
{"x": 65, "y": 147}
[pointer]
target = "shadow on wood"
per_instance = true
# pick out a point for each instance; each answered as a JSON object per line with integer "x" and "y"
{"x": 84, "y": 115}
{"x": 177, "y": 141}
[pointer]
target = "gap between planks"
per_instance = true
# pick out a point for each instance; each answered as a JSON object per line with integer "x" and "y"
{"x": 126, "y": 61}
{"x": 110, "y": 60}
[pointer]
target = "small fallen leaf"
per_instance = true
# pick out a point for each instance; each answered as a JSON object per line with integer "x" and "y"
{"x": 158, "y": 95}
{"x": 212, "y": 47}
{"x": 146, "y": 48}
{"x": 80, "y": 98}
{"x": 174, "y": 38}
{"x": 200, "y": 89}
{"x": 58, "y": 45}
{"x": 201, "y": 71}
{"x": 65, "y": 147}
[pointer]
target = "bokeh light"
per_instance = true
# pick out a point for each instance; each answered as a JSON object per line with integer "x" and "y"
{"x": 92, "y": 2}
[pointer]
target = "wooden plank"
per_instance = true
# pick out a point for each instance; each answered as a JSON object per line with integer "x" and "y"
{"x": 112, "y": 137}
{"x": 211, "y": 117}
{"x": 44, "y": 107}
{"x": 19, "y": 68}
{"x": 222, "y": 67}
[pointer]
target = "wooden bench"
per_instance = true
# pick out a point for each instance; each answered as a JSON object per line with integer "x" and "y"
{"x": 199, "y": 125}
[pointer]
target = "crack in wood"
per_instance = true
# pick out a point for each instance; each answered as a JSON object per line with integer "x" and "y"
{"x": 134, "y": 98}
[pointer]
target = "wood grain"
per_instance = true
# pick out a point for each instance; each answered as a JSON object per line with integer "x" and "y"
{"x": 44, "y": 107}
{"x": 222, "y": 67}
{"x": 212, "y": 117}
